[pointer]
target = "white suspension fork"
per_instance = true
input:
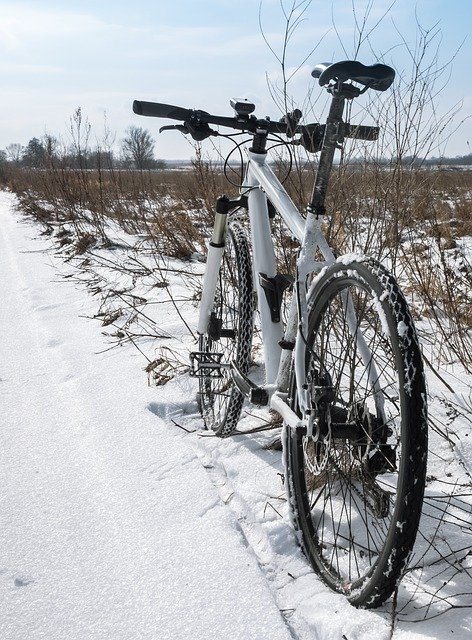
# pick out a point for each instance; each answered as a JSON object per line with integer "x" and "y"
{"x": 216, "y": 250}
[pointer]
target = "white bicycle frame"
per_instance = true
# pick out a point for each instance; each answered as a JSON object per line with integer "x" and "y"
{"x": 261, "y": 184}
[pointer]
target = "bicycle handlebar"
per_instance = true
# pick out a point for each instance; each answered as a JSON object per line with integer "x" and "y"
{"x": 197, "y": 117}
{"x": 198, "y": 121}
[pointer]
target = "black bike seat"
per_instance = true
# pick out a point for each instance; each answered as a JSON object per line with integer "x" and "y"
{"x": 377, "y": 76}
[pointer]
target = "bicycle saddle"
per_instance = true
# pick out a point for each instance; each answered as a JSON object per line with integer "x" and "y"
{"x": 377, "y": 76}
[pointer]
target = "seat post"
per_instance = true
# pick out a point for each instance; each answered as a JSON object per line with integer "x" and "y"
{"x": 330, "y": 143}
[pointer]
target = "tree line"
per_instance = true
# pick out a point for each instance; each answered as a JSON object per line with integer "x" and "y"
{"x": 136, "y": 151}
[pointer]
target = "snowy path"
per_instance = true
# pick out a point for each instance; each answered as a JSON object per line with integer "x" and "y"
{"x": 110, "y": 527}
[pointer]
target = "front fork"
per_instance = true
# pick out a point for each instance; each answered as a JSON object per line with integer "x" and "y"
{"x": 216, "y": 250}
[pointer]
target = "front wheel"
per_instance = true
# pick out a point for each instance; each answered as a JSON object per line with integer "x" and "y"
{"x": 356, "y": 485}
{"x": 230, "y": 335}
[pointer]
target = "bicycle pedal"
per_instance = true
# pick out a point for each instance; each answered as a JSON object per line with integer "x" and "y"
{"x": 204, "y": 364}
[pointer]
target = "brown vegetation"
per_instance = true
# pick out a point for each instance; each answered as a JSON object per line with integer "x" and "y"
{"x": 413, "y": 219}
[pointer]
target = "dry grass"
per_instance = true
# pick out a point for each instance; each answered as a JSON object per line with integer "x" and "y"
{"x": 413, "y": 219}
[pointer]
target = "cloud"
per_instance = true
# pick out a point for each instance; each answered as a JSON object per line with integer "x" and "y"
{"x": 31, "y": 69}
{"x": 29, "y": 30}
{"x": 22, "y": 24}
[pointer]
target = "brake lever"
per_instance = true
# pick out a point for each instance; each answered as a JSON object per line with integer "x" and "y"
{"x": 199, "y": 132}
{"x": 180, "y": 127}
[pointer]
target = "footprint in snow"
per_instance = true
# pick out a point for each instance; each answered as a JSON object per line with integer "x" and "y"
{"x": 54, "y": 342}
{"x": 18, "y": 580}
{"x": 22, "y": 581}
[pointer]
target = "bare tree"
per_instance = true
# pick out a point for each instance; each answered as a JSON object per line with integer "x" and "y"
{"x": 51, "y": 146}
{"x": 14, "y": 152}
{"x": 138, "y": 147}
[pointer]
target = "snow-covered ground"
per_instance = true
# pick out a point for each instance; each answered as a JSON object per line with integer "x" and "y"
{"x": 121, "y": 519}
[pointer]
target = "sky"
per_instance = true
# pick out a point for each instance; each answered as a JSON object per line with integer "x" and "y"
{"x": 56, "y": 56}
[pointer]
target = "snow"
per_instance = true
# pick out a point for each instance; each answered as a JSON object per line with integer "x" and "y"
{"x": 110, "y": 525}
{"x": 402, "y": 329}
{"x": 349, "y": 258}
{"x": 377, "y": 302}
{"x": 116, "y": 523}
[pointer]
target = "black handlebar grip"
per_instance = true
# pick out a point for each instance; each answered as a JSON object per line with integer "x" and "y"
{"x": 361, "y": 132}
{"x": 159, "y": 110}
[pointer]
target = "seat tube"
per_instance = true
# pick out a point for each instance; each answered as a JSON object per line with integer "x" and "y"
{"x": 330, "y": 143}
{"x": 264, "y": 262}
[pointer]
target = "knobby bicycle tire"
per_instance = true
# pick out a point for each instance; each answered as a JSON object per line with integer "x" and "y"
{"x": 219, "y": 399}
{"x": 356, "y": 501}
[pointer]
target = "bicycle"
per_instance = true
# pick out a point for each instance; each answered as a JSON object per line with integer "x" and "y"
{"x": 344, "y": 371}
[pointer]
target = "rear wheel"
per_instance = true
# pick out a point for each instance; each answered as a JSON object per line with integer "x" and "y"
{"x": 229, "y": 335}
{"x": 356, "y": 490}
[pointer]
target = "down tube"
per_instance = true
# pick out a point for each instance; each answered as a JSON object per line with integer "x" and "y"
{"x": 264, "y": 262}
